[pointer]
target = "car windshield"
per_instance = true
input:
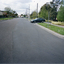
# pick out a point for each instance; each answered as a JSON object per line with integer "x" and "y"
{"x": 31, "y": 31}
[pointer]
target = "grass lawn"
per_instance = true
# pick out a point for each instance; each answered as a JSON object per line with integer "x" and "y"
{"x": 54, "y": 28}
{"x": 5, "y": 18}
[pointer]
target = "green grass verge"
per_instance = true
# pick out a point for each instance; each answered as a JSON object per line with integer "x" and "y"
{"x": 54, "y": 28}
{"x": 5, "y": 18}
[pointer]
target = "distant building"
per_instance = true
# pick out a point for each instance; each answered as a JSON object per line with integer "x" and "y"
{"x": 3, "y": 14}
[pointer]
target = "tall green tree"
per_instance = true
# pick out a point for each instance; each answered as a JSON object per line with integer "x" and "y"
{"x": 53, "y": 12}
{"x": 44, "y": 11}
{"x": 7, "y": 9}
{"x": 60, "y": 15}
{"x": 33, "y": 14}
{"x": 10, "y": 12}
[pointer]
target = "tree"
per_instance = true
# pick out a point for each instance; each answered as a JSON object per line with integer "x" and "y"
{"x": 24, "y": 15}
{"x": 7, "y": 9}
{"x": 44, "y": 11}
{"x": 33, "y": 14}
{"x": 21, "y": 14}
{"x": 53, "y": 13}
{"x": 56, "y": 1}
{"x": 60, "y": 15}
{"x": 10, "y": 12}
{"x": 14, "y": 14}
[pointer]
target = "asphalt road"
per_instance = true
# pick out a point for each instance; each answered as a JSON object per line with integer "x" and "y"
{"x": 25, "y": 42}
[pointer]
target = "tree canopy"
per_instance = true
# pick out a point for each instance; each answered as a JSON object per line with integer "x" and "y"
{"x": 60, "y": 15}
{"x": 33, "y": 14}
{"x": 44, "y": 11}
{"x": 48, "y": 9}
{"x": 10, "y": 12}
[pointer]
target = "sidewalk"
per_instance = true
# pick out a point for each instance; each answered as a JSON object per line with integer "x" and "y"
{"x": 54, "y": 24}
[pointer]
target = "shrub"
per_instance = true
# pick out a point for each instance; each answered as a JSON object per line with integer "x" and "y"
{"x": 58, "y": 23}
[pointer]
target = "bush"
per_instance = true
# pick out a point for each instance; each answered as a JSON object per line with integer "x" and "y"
{"x": 48, "y": 21}
{"x": 58, "y": 23}
{"x": 62, "y": 23}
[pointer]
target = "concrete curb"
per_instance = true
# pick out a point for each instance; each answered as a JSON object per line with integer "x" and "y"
{"x": 52, "y": 32}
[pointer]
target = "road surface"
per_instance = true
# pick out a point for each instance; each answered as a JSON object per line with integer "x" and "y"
{"x": 25, "y": 42}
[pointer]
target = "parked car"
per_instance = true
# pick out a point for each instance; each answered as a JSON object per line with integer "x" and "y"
{"x": 37, "y": 20}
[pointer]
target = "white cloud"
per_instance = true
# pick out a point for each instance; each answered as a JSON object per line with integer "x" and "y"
{"x": 20, "y": 5}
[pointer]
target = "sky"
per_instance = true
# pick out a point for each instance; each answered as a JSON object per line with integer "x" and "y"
{"x": 22, "y": 6}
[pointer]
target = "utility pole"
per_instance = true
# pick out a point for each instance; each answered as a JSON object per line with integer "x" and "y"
{"x": 29, "y": 11}
{"x": 26, "y": 12}
{"x": 48, "y": 17}
{"x": 37, "y": 10}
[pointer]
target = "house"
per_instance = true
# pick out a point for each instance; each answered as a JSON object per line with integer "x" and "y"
{"x": 3, "y": 14}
